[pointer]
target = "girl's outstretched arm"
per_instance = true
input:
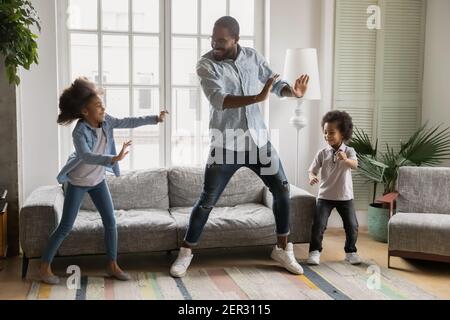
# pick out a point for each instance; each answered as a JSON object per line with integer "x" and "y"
{"x": 131, "y": 122}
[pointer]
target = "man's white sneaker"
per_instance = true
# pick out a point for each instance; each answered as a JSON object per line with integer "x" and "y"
{"x": 287, "y": 258}
{"x": 353, "y": 258}
{"x": 181, "y": 264}
{"x": 314, "y": 258}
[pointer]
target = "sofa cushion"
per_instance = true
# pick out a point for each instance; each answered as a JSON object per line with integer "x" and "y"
{"x": 242, "y": 225}
{"x": 138, "y": 231}
{"x": 186, "y": 185}
{"x": 424, "y": 190}
{"x": 136, "y": 190}
{"x": 420, "y": 232}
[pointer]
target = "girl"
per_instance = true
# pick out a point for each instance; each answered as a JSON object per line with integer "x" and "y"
{"x": 336, "y": 189}
{"x": 84, "y": 171}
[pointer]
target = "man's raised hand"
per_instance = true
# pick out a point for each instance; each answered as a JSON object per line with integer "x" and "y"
{"x": 267, "y": 88}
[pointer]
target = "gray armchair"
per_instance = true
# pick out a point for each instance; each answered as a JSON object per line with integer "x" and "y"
{"x": 421, "y": 227}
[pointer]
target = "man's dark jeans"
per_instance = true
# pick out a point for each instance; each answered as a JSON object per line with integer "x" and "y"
{"x": 217, "y": 176}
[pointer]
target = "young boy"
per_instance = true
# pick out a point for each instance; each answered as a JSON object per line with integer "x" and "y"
{"x": 335, "y": 189}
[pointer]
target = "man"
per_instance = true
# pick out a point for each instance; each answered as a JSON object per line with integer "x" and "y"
{"x": 231, "y": 77}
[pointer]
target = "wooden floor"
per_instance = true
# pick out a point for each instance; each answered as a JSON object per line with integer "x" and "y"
{"x": 433, "y": 277}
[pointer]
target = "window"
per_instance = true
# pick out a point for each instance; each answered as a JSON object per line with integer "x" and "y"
{"x": 144, "y": 53}
{"x": 192, "y": 23}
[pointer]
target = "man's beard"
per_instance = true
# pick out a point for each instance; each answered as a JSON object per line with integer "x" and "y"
{"x": 227, "y": 54}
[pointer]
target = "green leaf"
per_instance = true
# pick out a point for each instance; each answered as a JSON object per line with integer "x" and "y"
{"x": 428, "y": 146}
{"x": 362, "y": 143}
{"x": 425, "y": 147}
{"x": 17, "y": 41}
{"x": 371, "y": 169}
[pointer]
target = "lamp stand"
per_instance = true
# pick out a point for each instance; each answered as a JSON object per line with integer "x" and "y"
{"x": 298, "y": 121}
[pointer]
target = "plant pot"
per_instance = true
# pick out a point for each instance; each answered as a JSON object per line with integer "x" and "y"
{"x": 377, "y": 222}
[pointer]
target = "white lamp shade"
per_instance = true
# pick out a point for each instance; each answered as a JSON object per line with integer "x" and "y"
{"x": 303, "y": 61}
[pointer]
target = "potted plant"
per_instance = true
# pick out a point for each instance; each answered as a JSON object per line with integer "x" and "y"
{"x": 18, "y": 48}
{"x": 18, "y": 45}
{"x": 426, "y": 147}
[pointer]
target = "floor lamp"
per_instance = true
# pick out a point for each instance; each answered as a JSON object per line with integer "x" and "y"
{"x": 300, "y": 61}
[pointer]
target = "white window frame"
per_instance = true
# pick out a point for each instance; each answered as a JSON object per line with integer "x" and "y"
{"x": 165, "y": 82}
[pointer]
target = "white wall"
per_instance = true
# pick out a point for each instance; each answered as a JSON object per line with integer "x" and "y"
{"x": 294, "y": 24}
{"x": 303, "y": 24}
{"x": 39, "y": 108}
{"x": 436, "y": 93}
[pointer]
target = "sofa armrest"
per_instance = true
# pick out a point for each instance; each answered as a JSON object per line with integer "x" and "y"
{"x": 389, "y": 199}
{"x": 303, "y": 208}
{"x": 39, "y": 216}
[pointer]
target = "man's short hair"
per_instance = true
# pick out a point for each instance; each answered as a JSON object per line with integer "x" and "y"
{"x": 230, "y": 23}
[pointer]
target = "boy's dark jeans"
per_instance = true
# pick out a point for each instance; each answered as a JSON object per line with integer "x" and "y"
{"x": 347, "y": 212}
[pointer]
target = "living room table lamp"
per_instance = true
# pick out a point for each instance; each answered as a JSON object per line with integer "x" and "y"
{"x": 300, "y": 61}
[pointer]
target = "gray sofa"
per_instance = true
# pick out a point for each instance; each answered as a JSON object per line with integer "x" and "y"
{"x": 421, "y": 227}
{"x": 152, "y": 210}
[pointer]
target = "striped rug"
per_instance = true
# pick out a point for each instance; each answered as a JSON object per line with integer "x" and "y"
{"x": 332, "y": 280}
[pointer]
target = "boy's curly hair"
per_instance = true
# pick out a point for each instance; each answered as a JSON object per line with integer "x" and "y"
{"x": 74, "y": 98}
{"x": 343, "y": 121}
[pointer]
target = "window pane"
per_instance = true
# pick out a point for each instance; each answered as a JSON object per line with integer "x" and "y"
{"x": 115, "y": 59}
{"x": 206, "y": 46}
{"x": 211, "y": 11}
{"x": 184, "y": 16}
{"x": 145, "y": 103}
{"x": 146, "y": 60}
{"x": 84, "y": 56}
{"x": 145, "y": 151}
{"x": 115, "y": 15}
{"x": 117, "y": 102}
{"x": 117, "y": 105}
{"x": 247, "y": 43}
{"x": 184, "y": 60}
{"x": 146, "y": 15}
{"x": 244, "y": 12}
{"x": 146, "y": 138}
{"x": 82, "y": 14}
{"x": 188, "y": 147}
{"x": 121, "y": 136}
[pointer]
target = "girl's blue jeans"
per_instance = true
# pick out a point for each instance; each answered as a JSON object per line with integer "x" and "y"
{"x": 101, "y": 197}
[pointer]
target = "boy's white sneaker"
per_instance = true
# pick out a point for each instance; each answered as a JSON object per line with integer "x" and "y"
{"x": 314, "y": 258}
{"x": 181, "y": 264}
{"x": 287, "y": 258}
{"x": 353, "y": 258}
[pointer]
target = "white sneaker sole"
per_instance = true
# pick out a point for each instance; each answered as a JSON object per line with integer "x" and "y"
{"x": 287, "y": 268}
{"x": 176, "y": 275}
{"x": 312, "y": 263}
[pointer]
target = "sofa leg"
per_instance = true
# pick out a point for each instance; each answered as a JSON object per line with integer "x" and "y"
{"x": 25, "y": 261}
{"x": 169, "y": 252}
{"x": 389, "y": 260}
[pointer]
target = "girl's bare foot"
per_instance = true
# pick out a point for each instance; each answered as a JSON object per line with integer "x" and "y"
{"x": 115, "y": 271}
{"x": 46, "y": 274}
